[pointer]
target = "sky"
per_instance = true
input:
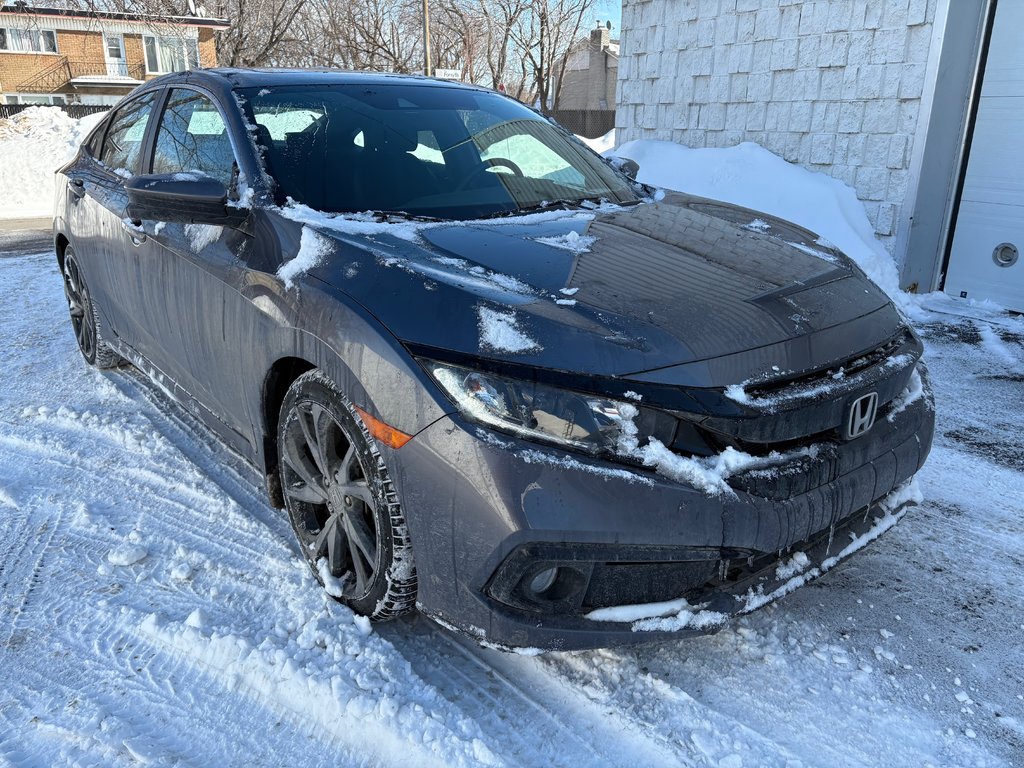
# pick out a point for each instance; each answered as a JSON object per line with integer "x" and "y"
{"x": 609, "y": 9}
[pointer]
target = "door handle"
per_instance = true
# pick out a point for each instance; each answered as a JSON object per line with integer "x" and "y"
{"x": 138, "y": 237}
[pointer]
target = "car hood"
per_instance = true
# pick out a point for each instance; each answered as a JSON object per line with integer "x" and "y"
{"x": 667, "y": 286}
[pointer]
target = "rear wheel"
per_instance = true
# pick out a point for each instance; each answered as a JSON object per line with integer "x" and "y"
{"x": 341, "y": 502}
{"x": 85, "y": 321}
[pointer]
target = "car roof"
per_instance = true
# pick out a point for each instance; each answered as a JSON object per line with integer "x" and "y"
{"x": 244, "y": 77}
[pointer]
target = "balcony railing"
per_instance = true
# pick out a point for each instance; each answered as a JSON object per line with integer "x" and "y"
{"x": 64, "y": 70}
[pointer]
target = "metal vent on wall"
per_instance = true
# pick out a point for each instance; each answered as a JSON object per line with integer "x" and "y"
{"x": 1005, "y": 255}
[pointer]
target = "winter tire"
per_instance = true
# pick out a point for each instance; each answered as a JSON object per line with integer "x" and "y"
{"x": 341, "y": 502}
{"x": 85, "y": 319}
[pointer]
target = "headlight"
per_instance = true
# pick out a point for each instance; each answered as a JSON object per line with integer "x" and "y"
{"x": 584, "y": 422}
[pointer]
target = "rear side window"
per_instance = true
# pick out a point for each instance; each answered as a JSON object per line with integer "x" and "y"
{"x": 192, "y": 138}
{"x": 123, "y": 143}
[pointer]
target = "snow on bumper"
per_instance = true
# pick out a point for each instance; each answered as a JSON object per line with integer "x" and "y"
{"x": 674, "y": 615}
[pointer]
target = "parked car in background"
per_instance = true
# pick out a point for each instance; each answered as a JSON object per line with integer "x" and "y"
{"x": 485, "y": 373}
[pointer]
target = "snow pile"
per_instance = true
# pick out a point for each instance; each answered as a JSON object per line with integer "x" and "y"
{"x": 602, "y": 143}
{"x": 201, "y": 236}
{"x": 33, "y": 144}
{"x": 500, "y": 332}
{"x": 751, "y": 176}
{"x": 312, "y": 248}
{"x": 708, "y": 474}
{"x": 571, "y": 241}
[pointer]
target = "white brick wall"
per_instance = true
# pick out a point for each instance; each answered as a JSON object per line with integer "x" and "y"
{"x": 834, "y": 85}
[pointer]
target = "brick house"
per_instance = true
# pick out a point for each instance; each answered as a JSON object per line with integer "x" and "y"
{"x": 57, "y": 56}
{"x": 916, "y": 104}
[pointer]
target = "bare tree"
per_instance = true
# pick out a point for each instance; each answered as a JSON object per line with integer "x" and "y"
{"x": 260, "y": 32}
{"x": 363, "y": 34}
{"x": 544, "y": 37}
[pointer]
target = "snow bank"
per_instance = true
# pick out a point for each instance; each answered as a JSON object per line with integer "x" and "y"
{"x": 751, "y": 176}
{"x": 33, "y": 144}
{"x": 602, "y": 143}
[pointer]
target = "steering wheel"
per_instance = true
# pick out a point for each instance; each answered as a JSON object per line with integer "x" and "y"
{"x": 486, "y": 165}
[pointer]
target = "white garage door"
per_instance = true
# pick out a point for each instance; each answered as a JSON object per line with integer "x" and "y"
{"x": 987, "y": 258}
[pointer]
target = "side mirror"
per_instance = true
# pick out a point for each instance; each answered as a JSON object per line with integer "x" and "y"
{"x": 186, "y": 198}
{"x": 629, "y": 167}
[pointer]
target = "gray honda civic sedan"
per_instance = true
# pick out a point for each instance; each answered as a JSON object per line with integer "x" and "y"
{"x": 486, "y": 373}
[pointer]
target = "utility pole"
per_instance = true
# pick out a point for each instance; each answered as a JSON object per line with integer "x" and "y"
{"x": 426, "y": 38}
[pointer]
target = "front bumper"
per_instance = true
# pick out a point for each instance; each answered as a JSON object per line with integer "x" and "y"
{"x": 489, "y": 512}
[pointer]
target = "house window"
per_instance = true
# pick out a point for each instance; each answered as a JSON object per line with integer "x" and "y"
{"x": 33, "y": 98}
{"x": 28, "y": 40}
{"x": 170, "y": 54}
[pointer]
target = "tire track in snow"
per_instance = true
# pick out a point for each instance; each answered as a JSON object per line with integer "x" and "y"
{"x": 535, "y": 721}
{"x": 23, "y": 562}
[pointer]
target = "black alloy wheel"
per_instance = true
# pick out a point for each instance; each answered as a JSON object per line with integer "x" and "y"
{"x": 84, "y": 317}
{"x": 341, "y": 502}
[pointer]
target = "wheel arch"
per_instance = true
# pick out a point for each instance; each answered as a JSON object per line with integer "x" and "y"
{"x": 60, "y": 246}
{"x": 281, "y": 375}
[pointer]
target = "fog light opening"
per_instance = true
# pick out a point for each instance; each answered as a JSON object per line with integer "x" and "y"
{"x": 555, "y": 584}
{"x": 543, "y": 581}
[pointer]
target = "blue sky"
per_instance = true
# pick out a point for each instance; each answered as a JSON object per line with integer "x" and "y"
{"x": 609, "y": 9}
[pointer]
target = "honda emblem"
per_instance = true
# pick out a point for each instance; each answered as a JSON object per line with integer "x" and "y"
{"x": 862, "y": 415}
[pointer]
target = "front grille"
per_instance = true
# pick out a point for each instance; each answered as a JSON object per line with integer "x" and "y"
{"x": 849, "y": 367}
{"x": 799, "y": 411}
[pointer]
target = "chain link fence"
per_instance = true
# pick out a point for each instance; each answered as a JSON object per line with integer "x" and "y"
{"x": 73, "y": 110}
{"x": 589, "y": 123}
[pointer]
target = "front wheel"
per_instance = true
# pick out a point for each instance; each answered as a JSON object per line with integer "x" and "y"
{"x": 341, "y": 502}
{"x": 85, "y": 320}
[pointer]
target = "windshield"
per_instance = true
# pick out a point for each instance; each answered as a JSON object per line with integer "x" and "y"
{"x": 420, "y": 150}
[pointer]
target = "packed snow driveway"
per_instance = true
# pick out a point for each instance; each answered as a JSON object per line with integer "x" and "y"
{"x": 153, "y": 608}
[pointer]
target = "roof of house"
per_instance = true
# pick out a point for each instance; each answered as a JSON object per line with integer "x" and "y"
{"x": 142, "y": 18}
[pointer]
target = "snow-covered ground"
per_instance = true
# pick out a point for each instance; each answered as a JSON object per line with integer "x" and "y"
{"x": 154, "y": 609}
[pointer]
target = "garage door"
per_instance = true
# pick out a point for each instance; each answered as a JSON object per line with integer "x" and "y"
{"x": 987, "y": 257}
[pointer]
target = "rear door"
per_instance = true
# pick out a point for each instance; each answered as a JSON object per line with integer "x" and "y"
{"x": 189, "y": 273}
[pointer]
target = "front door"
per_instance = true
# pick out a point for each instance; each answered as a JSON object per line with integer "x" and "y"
{"x": 114, "y": 55}
{"x": 189, "y": 273}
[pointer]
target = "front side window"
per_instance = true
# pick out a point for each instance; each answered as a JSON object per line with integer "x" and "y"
{"x": 28, "y": 40}
{"x": 420, "y": 150}
{"x": 123, "y": 142}
{"x": 170, "y": 54}
{"x": 192, "y": 138}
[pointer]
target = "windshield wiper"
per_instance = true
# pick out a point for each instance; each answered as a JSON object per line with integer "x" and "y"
{"x": 383, "y": 215}
{"x": 579, "y": 204}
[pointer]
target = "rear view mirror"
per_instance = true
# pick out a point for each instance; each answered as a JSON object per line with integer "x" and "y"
{"x": 181, "y": 197}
